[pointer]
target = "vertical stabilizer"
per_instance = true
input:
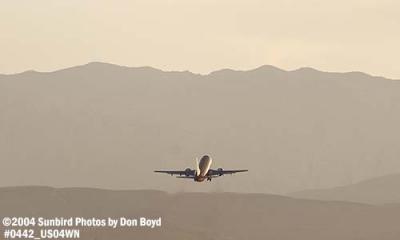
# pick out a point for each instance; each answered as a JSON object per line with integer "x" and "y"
{"x": 197, "y": 173}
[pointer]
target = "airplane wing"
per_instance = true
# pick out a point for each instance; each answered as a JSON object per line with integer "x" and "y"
{"x": 187, "y": 172}
{"x": 220, "y": 172}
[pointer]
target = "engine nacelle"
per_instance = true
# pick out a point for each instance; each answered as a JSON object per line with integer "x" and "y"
{"x": 220, "y": 170}
{"x": 187, "y": 172}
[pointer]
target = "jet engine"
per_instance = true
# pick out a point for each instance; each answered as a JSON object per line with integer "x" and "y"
{"x": 220, "y": 170}
{"x": 188, "y": 171}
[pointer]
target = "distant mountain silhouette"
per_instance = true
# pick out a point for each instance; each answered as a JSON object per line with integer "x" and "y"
{"x": 206, "y": 215}
{"x": 110, "y": 126}
{"x": 379, "y": 190}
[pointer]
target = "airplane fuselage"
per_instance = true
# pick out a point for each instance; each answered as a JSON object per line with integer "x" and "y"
{"x": 204, "y": 166}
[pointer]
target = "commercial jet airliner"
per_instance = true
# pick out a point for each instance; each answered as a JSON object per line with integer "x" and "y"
{"x": 202, "y": 171}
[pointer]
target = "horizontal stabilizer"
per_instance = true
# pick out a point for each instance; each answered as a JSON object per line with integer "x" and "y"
{"x": 187, "y": 177}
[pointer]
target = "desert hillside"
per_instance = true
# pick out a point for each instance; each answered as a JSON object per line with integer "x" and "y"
{"x": 207, "y": 215}
{"x": 382, "y": 190}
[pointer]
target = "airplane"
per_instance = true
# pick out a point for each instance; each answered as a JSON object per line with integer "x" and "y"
{"x": 202, "y": 171}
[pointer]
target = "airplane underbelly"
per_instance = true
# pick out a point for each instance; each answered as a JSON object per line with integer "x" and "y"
{"x": 204, "y": 165}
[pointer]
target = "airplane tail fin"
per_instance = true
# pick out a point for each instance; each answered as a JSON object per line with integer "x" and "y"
{"x": 197, "y": 167}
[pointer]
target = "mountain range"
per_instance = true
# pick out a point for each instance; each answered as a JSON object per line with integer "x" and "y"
{"x": 109, "y": 126}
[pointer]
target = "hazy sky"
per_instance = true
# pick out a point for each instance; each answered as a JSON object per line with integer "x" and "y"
{"x": 202, "y": 35}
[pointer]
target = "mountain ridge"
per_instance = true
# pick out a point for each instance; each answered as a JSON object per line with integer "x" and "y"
{"x": 292, "y": 130}
{"x": 207, "y": 215}
{"x": 262, "y": 68}
{"x": 379, "y": 190}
